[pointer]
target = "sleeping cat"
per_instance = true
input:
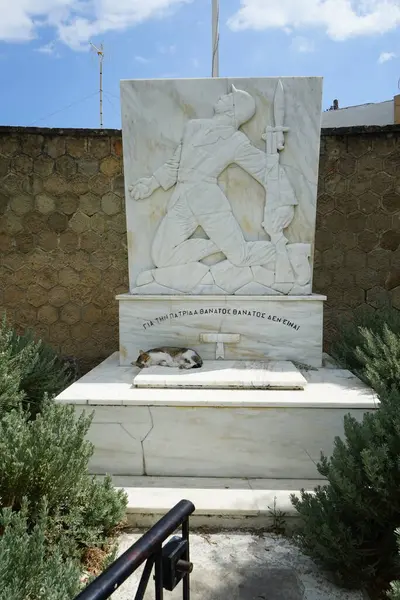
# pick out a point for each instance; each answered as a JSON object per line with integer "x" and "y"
{"x": 167, "y": 356}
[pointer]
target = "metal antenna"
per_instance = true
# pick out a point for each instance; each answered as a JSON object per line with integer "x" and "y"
{"x": 100, "y": 54}
{"x": 215, "y": 38}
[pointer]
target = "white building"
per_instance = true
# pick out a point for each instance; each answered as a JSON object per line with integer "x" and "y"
{"x": 379, "y": 113}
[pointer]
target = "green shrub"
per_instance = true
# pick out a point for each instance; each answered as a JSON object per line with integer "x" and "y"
{"x": 364, "y": 345}
{"x": 348, "y": 523}
{"x": 30, "y": 568}
{"x": 44, "y": 373}
{"x": 48, "y": 458}
{"x": 92, "y": 519}
{"x": 11, "y": 368}
{"x": 101, "y": 509}
{"x": 48, "y": 499}
{"x": 394, "y": 592}
{"x": 379, "y": 354}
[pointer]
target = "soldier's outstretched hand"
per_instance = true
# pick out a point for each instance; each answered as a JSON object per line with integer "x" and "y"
{"x": 143, "y": 188}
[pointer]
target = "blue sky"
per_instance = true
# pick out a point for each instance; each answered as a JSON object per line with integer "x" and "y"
{"x": 50, "y": 77}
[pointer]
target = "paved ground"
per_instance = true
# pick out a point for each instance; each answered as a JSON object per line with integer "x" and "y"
{"x": 239, "y": 566}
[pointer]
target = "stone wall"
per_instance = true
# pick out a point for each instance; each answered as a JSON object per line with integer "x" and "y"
{"x": 358, "y": 221}
{"x": 63, "y": 237}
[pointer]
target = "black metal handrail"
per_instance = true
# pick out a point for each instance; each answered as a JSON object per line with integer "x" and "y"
{"x": 171, "y": 562}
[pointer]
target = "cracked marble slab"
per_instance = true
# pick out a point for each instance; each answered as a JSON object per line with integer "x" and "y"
{"x": 226, "y": 375}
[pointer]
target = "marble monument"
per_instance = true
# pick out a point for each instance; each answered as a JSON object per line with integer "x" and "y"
{"x": 221, "y": 185}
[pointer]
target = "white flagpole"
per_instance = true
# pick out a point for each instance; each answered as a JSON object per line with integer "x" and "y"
{"x": 215, "y": 38}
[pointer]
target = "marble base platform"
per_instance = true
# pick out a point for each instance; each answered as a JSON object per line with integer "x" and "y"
{"x": 227, "y": 374}
{"x": 215, "y": 433}
{"x": 262, "y": 327}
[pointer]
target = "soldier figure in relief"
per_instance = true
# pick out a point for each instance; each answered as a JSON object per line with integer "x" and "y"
{"x": 207, "y": 147}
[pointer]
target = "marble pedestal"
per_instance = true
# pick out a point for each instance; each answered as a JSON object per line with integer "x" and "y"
{"x": 258, "y": 327}
{"x": 215, "y": 433}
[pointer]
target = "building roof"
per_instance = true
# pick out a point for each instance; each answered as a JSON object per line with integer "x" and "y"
{"x": 379, "y": 113}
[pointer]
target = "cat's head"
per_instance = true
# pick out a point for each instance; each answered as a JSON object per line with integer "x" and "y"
{"x": 142, "y": 360}
{"x": 196, "y": 362}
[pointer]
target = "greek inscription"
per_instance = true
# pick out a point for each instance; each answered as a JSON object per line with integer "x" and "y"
{"x": 223, "y": 311}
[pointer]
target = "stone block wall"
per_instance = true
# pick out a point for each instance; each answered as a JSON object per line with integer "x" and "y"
{"x": 63, "y": 254}
{"x": 358, "y": 222}
{"x": 63, "y": 237}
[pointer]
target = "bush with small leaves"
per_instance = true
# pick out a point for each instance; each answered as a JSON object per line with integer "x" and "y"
{"x": 349, "y": 523}
{"x": 31, "y": 568}
{"x": 370, "y": 347}
{"x": 394, "y": 591}
{"x": 12, "y": 365}
{"x": 379, "y": 354}
{"x": 48, "y": 458}
{"x": 99, "y": 509}
{"x": 46, "y": 373}
{"x": 93, "y": 519}
{"x": 34, "y": 367}
{"x": 48, "y": 499}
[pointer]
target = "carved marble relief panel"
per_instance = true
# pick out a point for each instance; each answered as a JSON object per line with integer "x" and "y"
{"x": 221, "y": 184}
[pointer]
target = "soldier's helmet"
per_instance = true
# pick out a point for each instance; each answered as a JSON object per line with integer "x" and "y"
{"x": 244, "y": 106}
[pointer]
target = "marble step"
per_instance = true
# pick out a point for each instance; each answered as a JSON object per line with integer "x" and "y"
{"x": 220, "y": 503}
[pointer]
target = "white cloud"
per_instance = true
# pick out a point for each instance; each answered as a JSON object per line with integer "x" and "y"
{"x": 142, "y": 59}
{"x": 385, "y": 56}
{"x": 76, "y": 21}
{"x": 19, "y": 17}
{"x": 302, "y": 44}
{"x": 195, "y": 63}
{"x": 47, "y": 48}
{"x": 341, "y": 19}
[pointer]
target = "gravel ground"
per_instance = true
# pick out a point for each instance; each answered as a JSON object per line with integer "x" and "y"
{"x": 245, "y": 566}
